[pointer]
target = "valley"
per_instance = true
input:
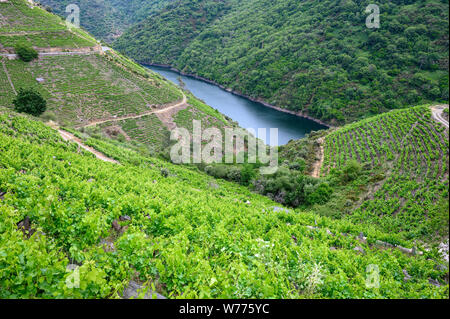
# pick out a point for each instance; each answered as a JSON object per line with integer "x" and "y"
{"x": 356, "y": 209}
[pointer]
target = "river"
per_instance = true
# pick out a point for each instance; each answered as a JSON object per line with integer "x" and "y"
{"x": 247, "y": 113}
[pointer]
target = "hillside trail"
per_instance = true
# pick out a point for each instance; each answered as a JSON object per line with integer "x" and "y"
{"x": 8, "y": 77}
{"x": 317, "y": 166}
{"x": 66, "y": 136}
{"x": 437, "y": 111}
{"x": 126, "y": 117}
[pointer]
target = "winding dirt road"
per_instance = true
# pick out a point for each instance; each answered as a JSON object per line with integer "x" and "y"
{"x": 317, "y": 166}
{"x": 126, "y": 117}
{"x": 437, "y": 111}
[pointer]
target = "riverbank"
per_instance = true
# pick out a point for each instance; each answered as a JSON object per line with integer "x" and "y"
{"x": 256, "y": 100}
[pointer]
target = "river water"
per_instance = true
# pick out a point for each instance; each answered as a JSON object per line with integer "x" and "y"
{"x": 247, "y": 113}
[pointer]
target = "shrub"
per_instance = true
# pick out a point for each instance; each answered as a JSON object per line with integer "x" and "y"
{"x": 351, "y": 171}
{"x": 247, "y": 174}
{"x": 30, "y": 101}
{"x": 25, "y": 53}
{"x": 320, "y": 195}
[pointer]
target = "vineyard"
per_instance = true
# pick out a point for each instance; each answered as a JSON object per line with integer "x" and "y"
{"x": 6, "y": 93}
{"x": 147, "y": 130}
{"x": 91, "y": 87}
{"x": 19, "y": 23}
{"x": 181, "y": 233}
{"x": 410, "y": 151}
{"x": 182, "y": 237}
{"x": 80, "y": 89}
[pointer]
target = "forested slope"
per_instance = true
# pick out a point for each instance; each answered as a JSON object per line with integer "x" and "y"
{"x": 314, "y": 57}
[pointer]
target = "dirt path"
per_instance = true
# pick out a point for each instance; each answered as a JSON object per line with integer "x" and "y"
{"x": 318, "y": 165}
{"x": 72, "y": 138}
{"x": 117, "y": 119}
{"x": 9, "y": 78}
{"x": 437, "y": 114}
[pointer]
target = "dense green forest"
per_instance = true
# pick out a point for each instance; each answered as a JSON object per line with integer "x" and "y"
{"x": 314, "y": 57}
{"x": 107, "y": 19}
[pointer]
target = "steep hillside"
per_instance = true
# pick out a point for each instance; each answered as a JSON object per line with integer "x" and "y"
{"x": 389, "y": 171}
{"x": 88, "y": 85}
{"x": 410, "y": 151}
{"x": 85, "y": 191}
{"x": 165, "y": 226}
{"x": 312, "y": 57}
{"x": 107, "y": 20}
{"x": 172, "y": 30}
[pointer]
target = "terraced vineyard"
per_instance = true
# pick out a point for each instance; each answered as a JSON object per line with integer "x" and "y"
{"x": 87, "y": 87}
{"x": 412, "y": 149}
{"x": 22, "y": 23}
{"x": 184, "y": 119}
{"x": 182, "y": 233}
{"x": 148, "y": 130}
{"x": 219, "y": 241}
{"x": 80, "y": 89}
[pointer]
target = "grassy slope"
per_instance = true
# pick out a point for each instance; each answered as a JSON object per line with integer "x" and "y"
{"x": 33, "y": 26}
{"x": 182, "y": 234}
{"x": 82, "y": 88}
{"x": 411, "y": 152}
{"x": 316, "y": 57}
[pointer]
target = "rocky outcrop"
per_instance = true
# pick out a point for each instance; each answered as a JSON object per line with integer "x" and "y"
{"x": 134, "y": 289}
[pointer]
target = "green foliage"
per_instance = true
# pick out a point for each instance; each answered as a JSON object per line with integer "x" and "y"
{"x": 30, "y": 101}
{"x": 351, "y": 171}
{"x": 317, "y": 57}
{"x": 394, "y": 167}
{"x": 25, "y": 53}
{"x": 107, "y": 18}
{"x": 195, "y": 241}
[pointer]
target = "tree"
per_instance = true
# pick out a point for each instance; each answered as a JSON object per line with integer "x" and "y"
{"x": 30, "y": 101}
{"x": 26, "y": 53}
